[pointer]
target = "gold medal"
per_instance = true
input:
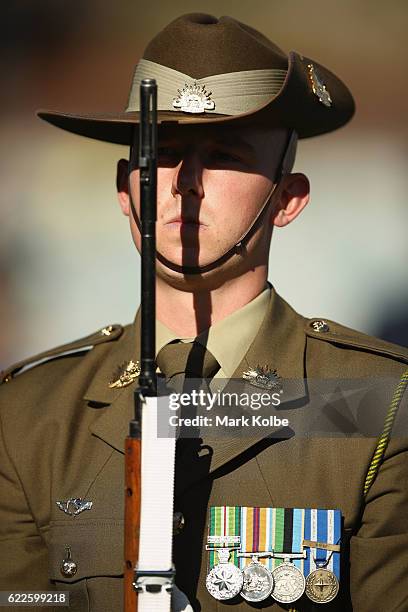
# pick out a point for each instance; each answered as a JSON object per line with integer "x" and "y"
{"x": 322, "y": 586}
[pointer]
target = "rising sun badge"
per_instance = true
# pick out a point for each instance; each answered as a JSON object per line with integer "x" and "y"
{"x": 194, "y": 98}
{"x": 125, "y": 375}
{"x": 263, "y": 378}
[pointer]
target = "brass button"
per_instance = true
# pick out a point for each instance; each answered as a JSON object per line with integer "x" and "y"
{"x": 178, "y": 523}
{"x": 68, "y": 566}
{"x": 320, "y": 326}
{"x": 106, "y": 331}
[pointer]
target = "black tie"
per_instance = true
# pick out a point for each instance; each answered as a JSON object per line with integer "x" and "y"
{"x": 180, "y": 361}
{"x": 189, "y": 358}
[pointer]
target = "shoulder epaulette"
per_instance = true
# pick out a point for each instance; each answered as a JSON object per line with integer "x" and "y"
{"x": 106, "y": 334}
{"x": 330, "y": 331}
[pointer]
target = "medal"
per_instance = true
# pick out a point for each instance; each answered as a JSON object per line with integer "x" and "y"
{"x": 225, "y": 580}
{"x": 322, "y": 586}
{"x": 323, "y": 533}
{"x": 258, "y": 580}
{"x": 289, "y": 580}
{"x": 299, "y": 548}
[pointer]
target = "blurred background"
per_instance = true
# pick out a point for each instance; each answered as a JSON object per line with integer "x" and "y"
{"x": 68, "y": 265}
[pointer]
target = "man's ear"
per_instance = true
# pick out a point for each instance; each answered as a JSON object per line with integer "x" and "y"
{"x": 294, "y": 196}
{"x": 122, "y": 185}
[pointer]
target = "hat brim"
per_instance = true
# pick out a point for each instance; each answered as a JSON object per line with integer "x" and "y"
{"x": 295, "y": 106}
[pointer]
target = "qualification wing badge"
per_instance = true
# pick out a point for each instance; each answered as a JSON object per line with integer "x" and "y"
{"x": 74, "y": 505}
{"x": 263, "y": 378}
{"x": 318, "y": 87}
{"x": 194, "y": 99}
{"x": 125, "y": 375}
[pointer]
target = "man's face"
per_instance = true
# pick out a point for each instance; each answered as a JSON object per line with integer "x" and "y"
{"x": 211, "y": 184}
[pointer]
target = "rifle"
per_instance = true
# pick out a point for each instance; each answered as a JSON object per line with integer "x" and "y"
{"x": 147, "y": 379}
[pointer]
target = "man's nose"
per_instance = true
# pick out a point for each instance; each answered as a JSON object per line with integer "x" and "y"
{"x": 188, "y": 176}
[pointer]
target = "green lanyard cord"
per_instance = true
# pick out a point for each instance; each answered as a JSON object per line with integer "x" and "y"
{"x": 385, "y": 435}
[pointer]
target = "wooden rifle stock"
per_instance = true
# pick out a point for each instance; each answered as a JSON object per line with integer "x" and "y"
{"x": 133, "y": 449}
{"x": 147, "y": 378}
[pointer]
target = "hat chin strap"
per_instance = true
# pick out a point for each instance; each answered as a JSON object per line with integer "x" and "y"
{"x": 239, "y": 246}
{"x": 237, "y": 249}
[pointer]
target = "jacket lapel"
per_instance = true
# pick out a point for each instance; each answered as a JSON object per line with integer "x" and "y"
{"x": 117, "y": 405}
{"x": 279, "y": 345}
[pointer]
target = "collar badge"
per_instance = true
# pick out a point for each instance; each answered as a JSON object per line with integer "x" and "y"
{"x": 125, "y": 375}
{"x": 263, "y": 378}
{"x": 318, "y": 87}
{"x": 194, "y": 99}
{"x": 74, "y": 505}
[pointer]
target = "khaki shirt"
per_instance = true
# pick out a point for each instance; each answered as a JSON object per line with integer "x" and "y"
{"x": 229, "y": 339}
{"x": 63, "y": 429}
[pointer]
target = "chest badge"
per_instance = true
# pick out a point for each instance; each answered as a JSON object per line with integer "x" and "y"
{"x": 74, "y": 505}
{"x": 263, "y": 378}
{"x": 125, "y": 375}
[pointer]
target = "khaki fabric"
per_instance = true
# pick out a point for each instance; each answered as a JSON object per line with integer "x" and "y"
{"x": 63, "y": 432}
{"x": 229, "y": 339}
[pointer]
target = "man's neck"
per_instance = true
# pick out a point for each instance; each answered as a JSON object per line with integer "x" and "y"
{"x": 190, "y": 313}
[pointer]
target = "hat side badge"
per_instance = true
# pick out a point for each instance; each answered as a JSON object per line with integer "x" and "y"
{"x": 318, "y": 87}
{"x": 194, "y": 98}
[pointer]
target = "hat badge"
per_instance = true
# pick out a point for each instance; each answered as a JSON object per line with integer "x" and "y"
{"x": 318, "y": 87}
{"x": 194, "y": 98}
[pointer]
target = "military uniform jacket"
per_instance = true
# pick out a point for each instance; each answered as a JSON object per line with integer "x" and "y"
{"x": 63, "y": 432}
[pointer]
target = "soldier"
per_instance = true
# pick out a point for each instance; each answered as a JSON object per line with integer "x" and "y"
{"x": 230, "y": 113}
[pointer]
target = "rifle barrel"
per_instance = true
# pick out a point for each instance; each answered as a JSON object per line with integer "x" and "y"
{"x": 147, "y": 378}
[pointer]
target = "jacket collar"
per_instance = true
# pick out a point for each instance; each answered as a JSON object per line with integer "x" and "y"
{"x": 279, "y": 344}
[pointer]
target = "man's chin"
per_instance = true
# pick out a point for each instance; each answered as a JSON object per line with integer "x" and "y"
{"x": 190, "y": 261}
{"x": 190, "y": 276}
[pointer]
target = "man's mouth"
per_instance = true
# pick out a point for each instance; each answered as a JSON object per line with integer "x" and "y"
{"x": 185, "y": 222}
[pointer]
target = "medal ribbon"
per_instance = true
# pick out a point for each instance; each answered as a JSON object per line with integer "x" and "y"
{"x": 322, "y": 536}
{"x": 279, "y": 530}
{"x": 298, "y": 524}
{"x": 224, "y": 521}
{"x": 324, "y": 527}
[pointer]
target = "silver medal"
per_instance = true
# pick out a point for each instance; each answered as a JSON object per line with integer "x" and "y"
{"x": 289, "y": 583}
{"x": 225, "y": 580}
{"x": 258, "y": 581}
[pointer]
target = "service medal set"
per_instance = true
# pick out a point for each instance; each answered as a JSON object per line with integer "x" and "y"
{"x": 273, "y": 552}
